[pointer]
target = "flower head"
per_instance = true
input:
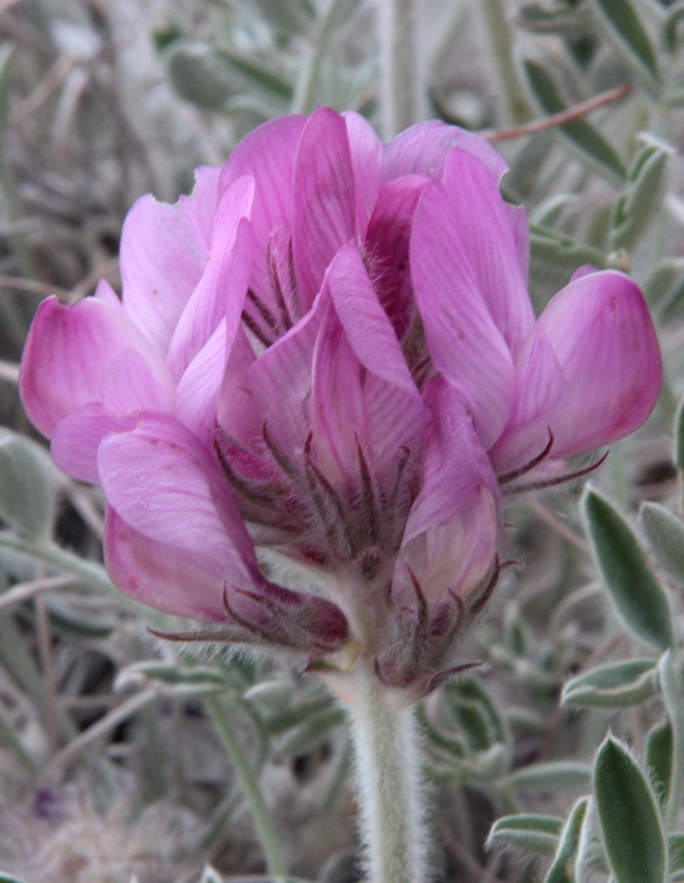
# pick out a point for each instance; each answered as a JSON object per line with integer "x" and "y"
{"x": 328, "y": 354}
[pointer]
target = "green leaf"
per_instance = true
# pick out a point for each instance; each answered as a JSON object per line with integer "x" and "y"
{"x": 174, "y": 680}
{"x": 583, "y": 138}
{"x": 559, "y": 775}
{"x": 10, "y": 878}
{"x": 304, "y": 738}
{"x": 26, "y": 489}
{"x": 532, "y": 832}
{"x": 670, "y": 32}
{"x": 675, "y": 846}
{"x": 639, "y": 597}
{"x": 614, "y": 685}
{"x": 659, "y": 745}
{"x": 635, "y": 207}
{"x": 665, "y": 534}
{"x": 200, "y": 75}
{"x": 561, "y": 867}
{"x": 632, "y": 832}
{"x": 623, "y": 27}
{"x": 540, "y": 19}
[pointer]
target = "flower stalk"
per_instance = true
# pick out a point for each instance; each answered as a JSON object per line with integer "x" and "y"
{"x": 250, "y": 787}
{"x": 390, "y": 791}
{"x": 401, "y": 91}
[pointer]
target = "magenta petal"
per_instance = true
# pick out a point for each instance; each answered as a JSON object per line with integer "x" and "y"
{"x": 387, "y": 242}
{"x": 422, "y": 150}
{"x": 77, "y": 438}
{"x": 465, "y": 344}
{"x": 540, "y": 389}
{"x": 166, "y": 485}
{"x": 366, "y": 156}
{"x": 164, "y": 250}
{"x": 605, "y": 343}
{"x": 325, "y": 199}
{"x": 452, "y": 530}
{"x": 163, "y": 575}
{"x": 221, "y": 290}
{"x": 481, "y": 222}
{"x": 67, "y": 353}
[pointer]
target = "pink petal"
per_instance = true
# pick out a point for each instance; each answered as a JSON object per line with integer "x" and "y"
{"x": 199, "y": 387}
{"x": 164, "y": 250}
{"x": 481, "y": 221}
{"x": 540, "y": 389}
{"x": 605, "y": 343}
{"x": 221, "y": 290}
{"x": 366, "y": 156}
{"x": 162, "y": 575}
{"x": 422, "y": 150}
{"x": 464, "y": 342}
{"x": 68, "y": 351}
{"x": 77, "y": 438}
{"x": 363, "y": 391}
{"x": 129, "y": 384}
{"x": 452, "y": 530}
{"x": 267, "y": 154}
{"x": 325, "y": 199}
{"x": 387, "y": 242}
{"x": 165, "y": 484}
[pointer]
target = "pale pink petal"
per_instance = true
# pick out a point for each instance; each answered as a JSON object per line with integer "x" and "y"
{"x": 366, "y": 156}
{"x": 199, "y": 387}
{"x": 220, "y": 292}
{"x": 129, "y": 384}
{"x": 422, "y": 150}
{"x": 106, "y": 293}
{"x": 163, "y": 575}
{"x": 465, "y": 344}
{"x": 482, "y": 224}
{"x": 68, "y": 351}
{"x": 164, "y": 251}
{"x": 603, "y": 338}
{"x": 325, "y": 199}
{"x": 363, "y": 393}
{"x": 365, "y": 323}
{"x": 165, "y": 484}
{"x": 540, "y": 388}
{"x": 77, "y": 438}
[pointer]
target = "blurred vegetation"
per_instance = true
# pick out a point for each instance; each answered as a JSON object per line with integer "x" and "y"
{"x": 125, "y": 758}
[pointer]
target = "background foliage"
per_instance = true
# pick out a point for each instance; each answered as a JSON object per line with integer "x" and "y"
{"x": 562, "y": 760}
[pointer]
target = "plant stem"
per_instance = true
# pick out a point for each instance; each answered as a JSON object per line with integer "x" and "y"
{"x": 496, "y": 20}
{"x": 401, "y": 82}
{"x": 391, "y": 793}
{"x": 250, "y": 785}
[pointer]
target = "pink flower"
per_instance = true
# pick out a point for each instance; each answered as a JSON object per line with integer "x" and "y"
{"x": 328, "y": 353}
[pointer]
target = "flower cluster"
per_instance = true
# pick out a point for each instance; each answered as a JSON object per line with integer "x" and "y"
{"x": 327, "y": 356}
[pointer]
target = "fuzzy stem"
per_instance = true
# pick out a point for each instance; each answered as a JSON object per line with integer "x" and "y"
{"x": 391, "y": 793}
{"x": 401, "y": 81}
{"x": 250, "y": 786}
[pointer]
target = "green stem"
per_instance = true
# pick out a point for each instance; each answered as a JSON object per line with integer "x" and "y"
{"x": 250, "y": 785}
{"x": 391, "y": 790}
{"x": 401, "y": 81}
{"x": 496, "y": 19}
{"x": 305, "y": 92}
